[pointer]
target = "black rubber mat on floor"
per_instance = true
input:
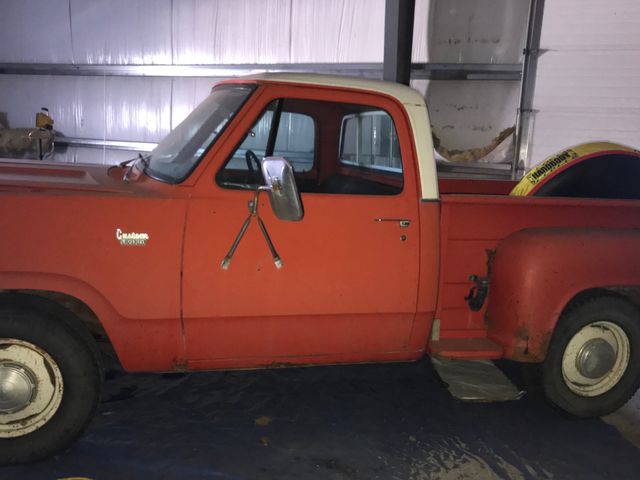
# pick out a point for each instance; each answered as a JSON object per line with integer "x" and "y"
{"x": 350, "y": 422}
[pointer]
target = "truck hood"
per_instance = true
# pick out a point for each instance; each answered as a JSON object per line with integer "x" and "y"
{"x": 33, "y": 174}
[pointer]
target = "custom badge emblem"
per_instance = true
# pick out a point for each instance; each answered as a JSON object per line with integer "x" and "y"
{"x": 133, "y": 238}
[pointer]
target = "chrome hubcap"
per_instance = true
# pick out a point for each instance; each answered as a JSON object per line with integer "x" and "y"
{"x": 17, "y": 387}
{"x": 595, "y": 359}
{"x": 31, "y": 387}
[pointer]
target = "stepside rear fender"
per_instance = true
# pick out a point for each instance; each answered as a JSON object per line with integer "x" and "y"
{"x": 141, "y": 345}
{"x": 537, "y": 272}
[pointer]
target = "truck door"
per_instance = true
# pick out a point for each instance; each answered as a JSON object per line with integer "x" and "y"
{"x": 347, "y": 288}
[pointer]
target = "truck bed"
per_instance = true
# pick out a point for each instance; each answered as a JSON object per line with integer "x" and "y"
{"x": 473, "y": 223}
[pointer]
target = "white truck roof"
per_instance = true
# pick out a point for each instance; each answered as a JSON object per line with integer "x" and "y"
{"x": 404, "y": 94}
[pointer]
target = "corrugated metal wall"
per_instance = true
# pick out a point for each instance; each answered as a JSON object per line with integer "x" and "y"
{"x": 180, "y": 32}
{"x": 588, "y": 82}
{"x": 162, "y": 32}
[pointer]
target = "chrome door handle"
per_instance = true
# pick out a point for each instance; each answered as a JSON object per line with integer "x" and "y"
{"x": 402, "y": 222}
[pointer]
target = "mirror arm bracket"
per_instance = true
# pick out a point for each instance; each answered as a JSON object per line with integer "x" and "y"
{"x": 278, "y": 175}
{"x": 253, "y": 212}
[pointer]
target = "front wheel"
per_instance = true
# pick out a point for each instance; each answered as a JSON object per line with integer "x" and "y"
{"x": 592, "y": 367}
{"x": 49, "y": 384}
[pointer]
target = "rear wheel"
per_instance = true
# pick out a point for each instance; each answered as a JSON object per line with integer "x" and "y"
{"x": 592, "y": 366}
{"x": 49, "y": 384}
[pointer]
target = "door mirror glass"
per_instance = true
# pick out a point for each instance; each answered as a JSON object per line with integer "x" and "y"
{"x": 283, "y": 192}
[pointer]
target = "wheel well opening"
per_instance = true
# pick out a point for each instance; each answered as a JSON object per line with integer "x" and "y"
{"x": 631, "y": 293}
{"x": 77, "y": 307}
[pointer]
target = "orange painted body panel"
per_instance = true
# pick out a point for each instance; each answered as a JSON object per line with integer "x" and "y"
{"x": 351, "y": 289}
{"x": 349, "y": 285}
{"x": 63, "y": 239}
{"x": 471, "y": 225}
{"x": 347, "y": 281}
{"x": 428, "y": 282}
{"x": 555, "y": 264}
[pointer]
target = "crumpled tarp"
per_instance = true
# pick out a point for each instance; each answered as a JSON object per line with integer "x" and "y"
{"x": 499, "y": 150}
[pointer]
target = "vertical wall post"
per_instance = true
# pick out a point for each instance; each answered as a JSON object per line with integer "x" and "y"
{"x": 524, "y": 120}
{"x": 398, "y": 39}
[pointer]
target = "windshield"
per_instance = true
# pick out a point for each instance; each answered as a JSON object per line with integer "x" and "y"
{"x": 179, "y": 152}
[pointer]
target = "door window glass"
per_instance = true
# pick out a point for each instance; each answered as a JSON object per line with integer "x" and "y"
{"x": 369, "y": 139}
{"x": 294, "y": 140}
{"x": 334, "y": 148}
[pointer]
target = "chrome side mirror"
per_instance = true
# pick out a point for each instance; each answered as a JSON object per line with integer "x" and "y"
{"x": 285, "y": 201}
{"x": 283, "y": 192}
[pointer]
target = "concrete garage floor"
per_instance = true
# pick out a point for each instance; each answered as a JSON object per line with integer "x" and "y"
{"x": 350, "y": 422}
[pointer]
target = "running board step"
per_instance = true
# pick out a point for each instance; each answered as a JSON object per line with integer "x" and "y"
{"x": 465, "y": 348}
{"x": 476, "y": 381}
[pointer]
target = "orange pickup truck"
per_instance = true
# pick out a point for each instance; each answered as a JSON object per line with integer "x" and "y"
{"x": 298, "y": 220}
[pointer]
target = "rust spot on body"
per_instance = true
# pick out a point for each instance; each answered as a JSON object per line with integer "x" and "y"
{"x": 528, "y": 348}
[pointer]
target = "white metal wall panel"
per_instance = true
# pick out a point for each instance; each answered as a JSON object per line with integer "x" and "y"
{"x": 337, "y": 31}
{"x": 35, "y": 31}
{"x": 137, "y": 108}
{"x": 420, "y": 31}
{"x": 591, "y": 25}
{"x": 241, "y": 31}
{"x": 75, "y": 103}
{"x": 588, "y": 82}
{"x": 598, "y": 81}
{"x": 231, "y": 31}
{"x": 199, "y": 31}
{"x": 121, "y": 31}
{"x": 349, "y": 31}
{"x": 116, "y": 108}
